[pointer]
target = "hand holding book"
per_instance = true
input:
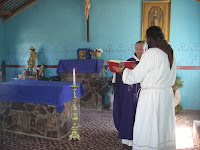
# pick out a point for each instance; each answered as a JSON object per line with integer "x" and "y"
{"x": 117, "y": 66}
{"x": 118, "y": 69}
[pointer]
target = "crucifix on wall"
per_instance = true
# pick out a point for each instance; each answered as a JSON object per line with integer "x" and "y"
{"x": 87, "y": 8}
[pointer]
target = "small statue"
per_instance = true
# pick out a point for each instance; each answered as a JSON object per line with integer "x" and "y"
{"x": 42, "y": 68}
{"x": 37, "y": 72}
{"x": 92, "y": 54}
{"x": 32, "y": 58}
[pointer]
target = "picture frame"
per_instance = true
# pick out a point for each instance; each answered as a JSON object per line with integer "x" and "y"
{"x": 82, "y": 54}
{"x": 156, "y": 13}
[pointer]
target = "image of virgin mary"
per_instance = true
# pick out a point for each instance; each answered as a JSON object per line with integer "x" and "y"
{"x": 156, "y": 17}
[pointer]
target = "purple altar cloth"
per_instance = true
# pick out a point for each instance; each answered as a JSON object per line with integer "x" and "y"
{"x": 81, "y": 65}
{"x": 36, "y": 91}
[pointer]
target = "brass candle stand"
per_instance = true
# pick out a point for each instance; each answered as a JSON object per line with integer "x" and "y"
{"x": 74, "y": 130}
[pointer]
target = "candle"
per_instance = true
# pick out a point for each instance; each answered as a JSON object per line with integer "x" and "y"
{"x": 74, "y": 77}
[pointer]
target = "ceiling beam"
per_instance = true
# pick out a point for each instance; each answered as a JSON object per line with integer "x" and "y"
{"x": 2, "y": 2}
{"x": 30, "y": 2}
{"x": 5, "y": 12}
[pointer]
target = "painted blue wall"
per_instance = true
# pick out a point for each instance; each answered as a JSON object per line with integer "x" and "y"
{"x": 58, "y": 34}
{"x": 185, "y": 39}
{"x": 58, "y": 29}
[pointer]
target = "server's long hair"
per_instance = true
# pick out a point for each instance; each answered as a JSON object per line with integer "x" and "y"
{"x": 155, "y": 38}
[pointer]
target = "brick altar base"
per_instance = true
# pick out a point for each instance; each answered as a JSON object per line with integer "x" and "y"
{"x": 36, "y": 119}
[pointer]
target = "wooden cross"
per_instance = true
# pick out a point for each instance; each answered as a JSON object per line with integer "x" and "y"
{"x": 88, "y": 30}
{"x": 87, "y": 8}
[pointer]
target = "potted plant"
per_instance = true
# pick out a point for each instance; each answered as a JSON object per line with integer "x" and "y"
{"x": 106, "y": 87}
{"x": 178, "y": 84}
{"x": 106, "y": 84}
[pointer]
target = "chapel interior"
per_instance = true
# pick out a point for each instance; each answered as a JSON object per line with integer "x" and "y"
{"x": 56, "y": 89}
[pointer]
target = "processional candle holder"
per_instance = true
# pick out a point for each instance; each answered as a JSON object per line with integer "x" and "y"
{"x": 74, "y": 130}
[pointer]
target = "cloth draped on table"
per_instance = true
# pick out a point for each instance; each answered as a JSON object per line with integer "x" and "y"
{"x": 124, "y": 106}
{"x": 36, "y": 91}
{"x": 81, "y": 65}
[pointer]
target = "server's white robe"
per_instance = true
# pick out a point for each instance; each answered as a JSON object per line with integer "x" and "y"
{"x": 154, "y": 126}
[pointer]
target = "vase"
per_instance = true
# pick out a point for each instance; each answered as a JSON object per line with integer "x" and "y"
{"x": 111, "y": 98}
{"x": 177, "y": 98}
{"x": 98, "y": 55}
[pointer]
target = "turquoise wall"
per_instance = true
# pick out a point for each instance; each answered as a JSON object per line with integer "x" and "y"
{"x": 185, "y": 39}
{"x": 59, "y": 33}
{"x": 58, "y": 29}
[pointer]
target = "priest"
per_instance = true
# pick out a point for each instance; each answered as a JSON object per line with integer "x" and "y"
{"x": 125, "y": 100}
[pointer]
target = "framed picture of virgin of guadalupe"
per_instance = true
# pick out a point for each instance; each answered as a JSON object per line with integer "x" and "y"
{"x": 156, "y": 13}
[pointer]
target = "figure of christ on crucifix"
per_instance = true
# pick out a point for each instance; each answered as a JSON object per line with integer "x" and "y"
{"x": 87, "y": 8}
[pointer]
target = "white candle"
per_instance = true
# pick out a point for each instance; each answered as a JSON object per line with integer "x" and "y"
{"x": 74, "y": 77}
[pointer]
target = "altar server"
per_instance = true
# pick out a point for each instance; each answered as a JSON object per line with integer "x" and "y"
{"x": 154, "y": 127}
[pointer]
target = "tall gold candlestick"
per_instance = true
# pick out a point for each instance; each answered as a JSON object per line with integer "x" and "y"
{"x": 74, "y": 130}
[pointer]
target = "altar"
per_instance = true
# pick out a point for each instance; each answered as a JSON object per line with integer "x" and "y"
{"x": 87, "y": 72}
{"x": 39, "y": 108}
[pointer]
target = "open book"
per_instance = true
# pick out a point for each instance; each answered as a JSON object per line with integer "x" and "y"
{"x": 128, "y": 64}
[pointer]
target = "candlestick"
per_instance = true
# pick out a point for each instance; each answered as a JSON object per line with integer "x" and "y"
{"x": 74, "y": 130}
{"x": 74, "y": 77}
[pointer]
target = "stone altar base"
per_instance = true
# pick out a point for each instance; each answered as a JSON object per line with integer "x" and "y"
{"x": 91, "y": 99}
{"x": 36, "y": 119}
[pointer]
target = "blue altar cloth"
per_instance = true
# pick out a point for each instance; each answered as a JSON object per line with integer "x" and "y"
{"x": 36, "y": 91}
{"x": 81, "y": 65}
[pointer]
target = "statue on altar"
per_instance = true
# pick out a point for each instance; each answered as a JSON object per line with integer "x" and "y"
{"x": 42, "y": 68}
{"x": 31, "y": 60}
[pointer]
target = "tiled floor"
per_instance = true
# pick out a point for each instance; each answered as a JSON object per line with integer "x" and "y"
{"x": 97, "y": 132}
{"x": 184, "y": 123}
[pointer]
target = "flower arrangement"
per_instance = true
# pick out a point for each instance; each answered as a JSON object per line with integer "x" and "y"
{"x": 98, "y": 50}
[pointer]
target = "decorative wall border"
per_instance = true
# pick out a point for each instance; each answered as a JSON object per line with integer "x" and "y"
{"x": 188, "y": 67}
